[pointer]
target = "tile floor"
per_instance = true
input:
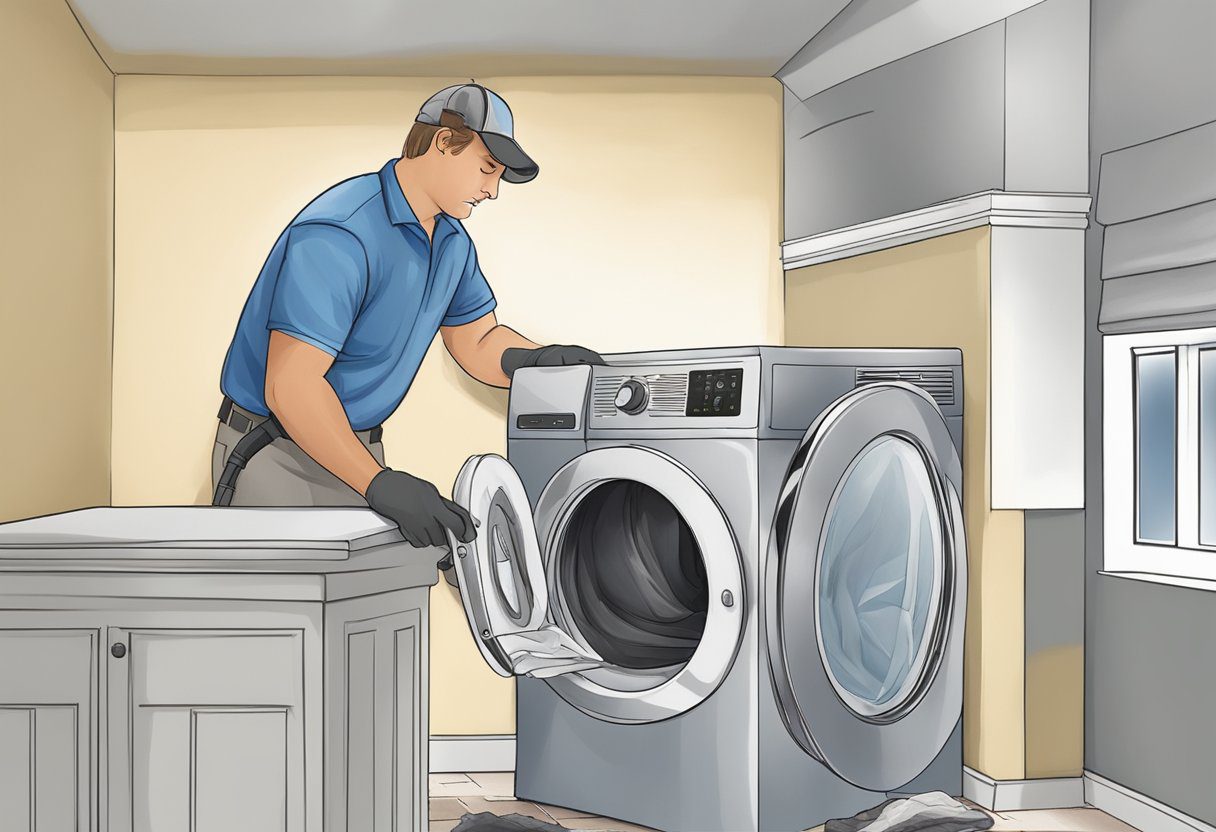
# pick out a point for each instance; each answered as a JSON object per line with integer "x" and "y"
{"x": 452, "y": 795}
{"x": 494, "y": 791}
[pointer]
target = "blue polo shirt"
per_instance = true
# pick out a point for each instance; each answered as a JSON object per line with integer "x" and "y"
{"x": 354, "y": 275}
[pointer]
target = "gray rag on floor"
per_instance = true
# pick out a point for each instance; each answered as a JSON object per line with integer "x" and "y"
{"x": 928, "y": 812}
{"x": 488, "y": 822}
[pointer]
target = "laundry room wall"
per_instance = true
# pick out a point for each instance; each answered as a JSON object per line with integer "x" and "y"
{"x": 56, "y": 231}
{"x": 654, "y": 223}
{"x": 1150, "y": 656}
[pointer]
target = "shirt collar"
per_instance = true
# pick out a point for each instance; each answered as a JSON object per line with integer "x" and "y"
{"x": 399, "y": 211}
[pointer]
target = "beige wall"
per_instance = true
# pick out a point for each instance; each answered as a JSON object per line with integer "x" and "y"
{"x": 654, "y": 223}
{"x": 935, "y": 294}
{"x": 1055, "y": 711}
{"x": 56, "y": 232}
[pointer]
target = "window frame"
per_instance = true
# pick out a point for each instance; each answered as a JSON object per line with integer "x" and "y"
{"x": 1186, "y": 557}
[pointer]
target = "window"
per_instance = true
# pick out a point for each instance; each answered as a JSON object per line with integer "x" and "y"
{"x": 1159, "y": 453}
{"x": 1156, "y": 451}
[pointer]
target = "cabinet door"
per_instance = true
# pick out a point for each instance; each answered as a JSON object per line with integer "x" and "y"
{"x": 48, "y": 718}
{"x": 376, "y": 730}
{"x": 206, "y": 730}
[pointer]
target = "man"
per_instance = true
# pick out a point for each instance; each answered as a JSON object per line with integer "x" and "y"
{"x": 344, "y": 310}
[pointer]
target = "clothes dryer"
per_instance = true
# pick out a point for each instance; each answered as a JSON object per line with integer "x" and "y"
{"x": 731, "y": 582}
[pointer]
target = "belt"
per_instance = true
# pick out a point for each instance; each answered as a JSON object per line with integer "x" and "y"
{"x": 241, "y": 423}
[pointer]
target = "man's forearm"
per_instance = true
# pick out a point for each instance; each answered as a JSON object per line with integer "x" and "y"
{"x": 313, "y": 416}
{"x": 486, "y": 360}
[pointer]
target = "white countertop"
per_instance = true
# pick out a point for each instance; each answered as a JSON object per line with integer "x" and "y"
{"x": 338, "y": 543}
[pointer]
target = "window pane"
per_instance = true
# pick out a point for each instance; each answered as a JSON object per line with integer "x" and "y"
{"x": 1156, "y": 405}
{"x": 1207, "y": 447}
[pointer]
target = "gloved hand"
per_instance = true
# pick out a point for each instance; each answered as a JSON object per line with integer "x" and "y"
{"x": 554, "y": 355}
{"x": 418, "y": 509}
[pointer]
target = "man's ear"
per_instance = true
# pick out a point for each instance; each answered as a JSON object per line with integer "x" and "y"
{"x": 442, "y": 140}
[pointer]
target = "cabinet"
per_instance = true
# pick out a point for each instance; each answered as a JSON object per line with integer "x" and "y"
{"x": 248, "y": 678}
{"x": 48, "y": 719}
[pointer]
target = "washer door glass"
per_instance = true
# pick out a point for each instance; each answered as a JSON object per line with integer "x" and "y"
{"x": 866, "y": 587}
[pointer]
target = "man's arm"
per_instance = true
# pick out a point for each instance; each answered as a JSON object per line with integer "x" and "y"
{"x": 309, "y": 409}
{"x": 478, "y": 346}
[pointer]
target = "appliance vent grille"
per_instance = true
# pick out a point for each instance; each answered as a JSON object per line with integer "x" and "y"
{"x": 668, "y": 393}
{"x": 604, "y": 394}
{"x": 938, "y": 383}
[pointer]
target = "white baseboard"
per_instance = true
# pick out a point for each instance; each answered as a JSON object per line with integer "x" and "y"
{"x": 1136, "y": 809}
{"x": 1012, "y": 795}
{"x": 481, "y": 752}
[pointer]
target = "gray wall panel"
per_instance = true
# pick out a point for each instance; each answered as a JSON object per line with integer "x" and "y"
{"x": 1150, "y": 657}
{"x": 920, "y": 130}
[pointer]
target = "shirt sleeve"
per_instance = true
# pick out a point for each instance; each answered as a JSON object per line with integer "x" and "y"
{"x": 473, "y": 297}
{"x": 320, "y": 286}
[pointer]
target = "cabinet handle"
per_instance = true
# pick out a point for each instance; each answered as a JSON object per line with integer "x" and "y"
{"x": 118, "y": 650}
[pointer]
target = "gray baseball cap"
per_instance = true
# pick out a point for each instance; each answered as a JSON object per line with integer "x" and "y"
{"x": 485, "y": 112}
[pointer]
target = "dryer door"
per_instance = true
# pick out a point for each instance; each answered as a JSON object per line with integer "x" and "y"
{"x": 866, "y": 585}
{"x": 501, "y": 577}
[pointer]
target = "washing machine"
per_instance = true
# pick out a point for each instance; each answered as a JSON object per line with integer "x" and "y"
{"x": 757, "y": 553}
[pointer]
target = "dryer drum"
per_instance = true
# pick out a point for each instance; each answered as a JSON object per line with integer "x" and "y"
{"x": 633, "y": 577}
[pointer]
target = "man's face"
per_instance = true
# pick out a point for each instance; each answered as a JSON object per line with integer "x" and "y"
{"x": 468, "y": 177}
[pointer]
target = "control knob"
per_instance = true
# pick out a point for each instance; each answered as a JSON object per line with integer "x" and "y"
{"x": 631, "y": 396}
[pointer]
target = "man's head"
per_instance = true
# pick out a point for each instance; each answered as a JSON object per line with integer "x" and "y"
{"x": 463, "y": 143}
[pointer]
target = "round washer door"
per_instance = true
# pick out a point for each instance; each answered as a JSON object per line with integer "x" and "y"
{"x": 866, "y": 585}
{"x": 633, "y": 695}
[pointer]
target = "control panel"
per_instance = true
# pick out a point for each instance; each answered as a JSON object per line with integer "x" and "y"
{"x": 714, "y": 392}
{"x": 676, "y": 395}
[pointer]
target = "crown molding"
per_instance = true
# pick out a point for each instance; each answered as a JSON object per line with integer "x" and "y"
{"x": 995, "y": 208}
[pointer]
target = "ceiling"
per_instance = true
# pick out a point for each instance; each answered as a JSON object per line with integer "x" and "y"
{"x": 452, "y": 37}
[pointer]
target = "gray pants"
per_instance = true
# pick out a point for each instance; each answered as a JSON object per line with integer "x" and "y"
{"x": 281, "y": 474}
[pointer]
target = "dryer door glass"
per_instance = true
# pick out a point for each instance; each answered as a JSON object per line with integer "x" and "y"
{"x": 866, "y": 587}
{"x": 880, "y": 573}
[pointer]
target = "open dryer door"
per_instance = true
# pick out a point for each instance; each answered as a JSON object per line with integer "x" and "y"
{"x": 500, "y": 574}
{"x": 866, "y": 585}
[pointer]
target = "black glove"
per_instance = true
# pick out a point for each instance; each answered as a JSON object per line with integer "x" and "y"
{"x": 418, "y": 509}
{"x": 554, "y": 355}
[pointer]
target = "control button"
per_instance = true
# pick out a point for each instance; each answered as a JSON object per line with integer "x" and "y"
{"x": 720, "y": 384}
{"x": 717, "y": 402}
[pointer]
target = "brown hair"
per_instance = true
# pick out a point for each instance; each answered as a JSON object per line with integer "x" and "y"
{"x": 421, "y": 135}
